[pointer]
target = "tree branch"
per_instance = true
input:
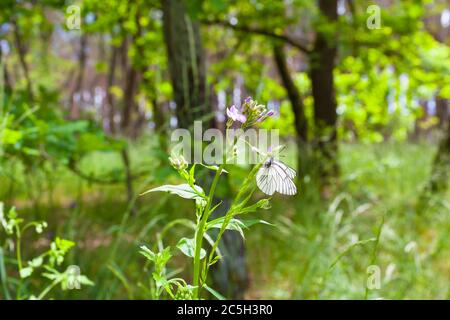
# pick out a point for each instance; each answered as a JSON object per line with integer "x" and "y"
{"x": 261, "y": 31}
{"x": 98, "y": 180}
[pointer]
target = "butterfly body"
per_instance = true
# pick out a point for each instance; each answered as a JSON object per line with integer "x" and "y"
{"x": 268, "y": 163}
{"x": 275, "y": 176}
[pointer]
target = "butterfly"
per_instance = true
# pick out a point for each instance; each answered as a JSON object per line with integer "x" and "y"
{"x": 273, "y": 176}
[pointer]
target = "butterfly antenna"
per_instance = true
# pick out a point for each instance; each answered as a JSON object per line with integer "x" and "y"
{"x": 253, "y": 148}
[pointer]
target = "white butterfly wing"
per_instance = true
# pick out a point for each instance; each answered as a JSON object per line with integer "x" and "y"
{"x": 266, "y": 181}
{"x": 288, "y": 170}
{"x": 277, "y": 177}
{"x": 287, "y": 187}
{"x": 284, "y": 176}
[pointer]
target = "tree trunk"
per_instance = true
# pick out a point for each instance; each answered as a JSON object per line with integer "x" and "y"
{"x": 151, "y": 91}
{"x": 22, "y": 51}
{"x": 186, "y": 62}
{"x": 440, "y": 174}
{"x": 74, "y": 105}
{"x": 187, "y": 72}
{"x": 109, "y": 95}
{"x": 301, "y": 126}
{"x": 442, "y": 111}
{"x": 322, "y": 62}
{"x": 128, "y": 180}
{"x": 298, "y": 108}
{"x": 4, "y": 73}
{"x": 129, "y": 98}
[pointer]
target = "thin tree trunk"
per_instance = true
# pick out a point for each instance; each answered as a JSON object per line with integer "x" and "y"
{"x": 440, "y": 174}
{"x": 186, "y": 62}
{"x": 158, "y": 112}
{"x": 300, "y": 122}
{"x": 74, "y": 105}
{"x": 298, "y": 108}
{"x": 418, "y": 130}
{"x": 160, "y": 124}
{"x": 22, "y": 51}
{"x": 442, "y": 111}
{"x": 322, "y": 62}
{"x": 110, "y": 83}
{"x": 128, "y": 178}
{"x": 130, "y": 83}
{"x": 5, "y": 73}
{"x": 187, "y": 72}
{"x": 150, "y": 90}
{"x": 129, "y": 98}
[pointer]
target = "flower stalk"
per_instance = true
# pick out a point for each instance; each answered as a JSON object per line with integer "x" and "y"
{"x": 200, "y": 232}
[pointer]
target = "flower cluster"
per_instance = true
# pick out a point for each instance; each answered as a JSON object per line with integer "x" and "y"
{"x": 178, "y": 162}
{"x": 250, "y": 113}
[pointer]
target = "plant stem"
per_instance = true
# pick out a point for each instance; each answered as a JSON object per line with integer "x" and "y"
{"x": 199, "y": 233}
{"x": 47, "y": 290}
{"x": 4, "y": 276}
{"x": 18, "y": 245}
{"x": 19, "y": 260}
{"x": 18, "y": 254}
{"x": 230, "y": 213}
{"x": 374, "y": 254}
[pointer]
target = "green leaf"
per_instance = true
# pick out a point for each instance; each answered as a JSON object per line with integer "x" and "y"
{"x": 63, "y": 244}
{"x": 214, "y": 292}
{"x": 91, "y": 142}
{"x": 214, "y": 168}
{"x": 163, "y": 257}
{"x": 187, "y": 246}
{"x": 36, "y": 262}
{"x": 250, "y": 222}
{"x": 26, "y": 272}
{"x": 218, "y": 5}
{"x": 263, "y": 204}
{"x": 214, "y": 260}
{"x": 217, "y": 223}
{"x": 235, "y": 224}
{"x": 194, "y": 7}
{"x": 192, "y": 174}
{"x": 182, "y": 190}
{"x": 118, "y": 273}
{"x": 9, "y": 136}
{"x": 3, "y": 275}
{"x": 348, "y": 249}
{"x": 85, "y": 280}
{"x": 146, "y": 252}
{"x": 160, "y": 280}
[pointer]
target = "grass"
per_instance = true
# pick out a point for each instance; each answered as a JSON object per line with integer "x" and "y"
{"x": 318, "y": 249}
{"x": 381, "y": 181}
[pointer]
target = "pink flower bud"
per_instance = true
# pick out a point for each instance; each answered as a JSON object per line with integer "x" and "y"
{"x": 234, "y": 114}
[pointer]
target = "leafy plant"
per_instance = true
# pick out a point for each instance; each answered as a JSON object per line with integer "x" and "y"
{"x": 49, "y": 261}
{"x": 193, "y": 247}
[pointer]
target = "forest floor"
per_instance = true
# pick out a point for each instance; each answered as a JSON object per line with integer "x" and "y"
{"x": 319, "y": 249}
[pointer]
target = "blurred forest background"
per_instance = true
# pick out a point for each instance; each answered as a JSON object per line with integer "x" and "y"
{"x": 361, "y": 100}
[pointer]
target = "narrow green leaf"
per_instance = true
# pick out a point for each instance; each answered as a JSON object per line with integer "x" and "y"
{"x": 263, "y": 204}
{"x": 192, "y": 174}
{"x": 160, "y": 280}
{"x": 182, "y": 190}
{"x": 236, "y": 224}
{"x": 214, "y": 168}
{"x": 214, "y": 292}
{"x": 348, "y": 249}
{"x": 3, "y": 275}
{"x": 146, "y": 252}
